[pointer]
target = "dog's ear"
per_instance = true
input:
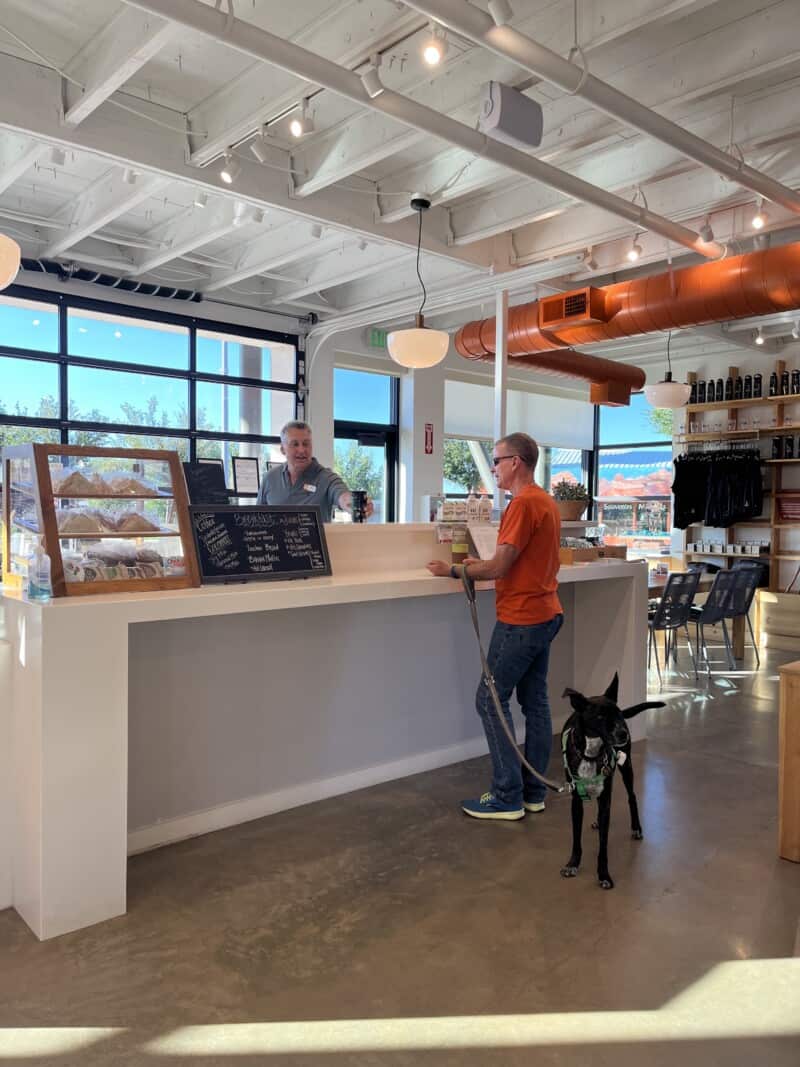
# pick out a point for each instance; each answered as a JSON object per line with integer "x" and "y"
{"x": 628, "y": 713}
{"x": 613, "y": 690}
{"x": 576, "y": 699}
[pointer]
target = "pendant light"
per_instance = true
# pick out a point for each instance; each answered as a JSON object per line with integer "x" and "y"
{"x": 666, "y": 393}
{"x": 10, "y": 255}
{"x": 418, "y": 347}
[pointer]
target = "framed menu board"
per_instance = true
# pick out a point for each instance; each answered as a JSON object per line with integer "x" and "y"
{"x": 257, "y": 544}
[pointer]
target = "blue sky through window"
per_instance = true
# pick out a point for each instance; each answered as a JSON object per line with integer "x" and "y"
{"x": 360, "y": 396}
{"x": 629, "y": 425}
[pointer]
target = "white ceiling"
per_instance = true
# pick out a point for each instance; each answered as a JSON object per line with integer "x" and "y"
{"x": 162, "y": 102}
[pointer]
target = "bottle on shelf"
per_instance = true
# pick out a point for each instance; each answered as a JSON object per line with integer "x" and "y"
{"x": 785, "y": 383}
{"x": 738, "y": 389}
{"x": 473, "y": 507}
{"x": 720, "y": 389}
{"x": 40, "y": 583}
{"x": 777, "y": 448}
{"x": 748, "y": 386}
{"x": 729, "y": 388}
{"x": 693, "y": 393}
{"x": 757, "y": 386}
{"x": 701, "y": 392}
{"x": 773, "y": 383}
{"x": 795, "y": 382}
{"x": 788, "y": 447}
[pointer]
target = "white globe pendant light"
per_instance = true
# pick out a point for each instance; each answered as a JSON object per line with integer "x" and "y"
{"x": 419, "y": 347}
{"x": 667, "y": 393}
{"x": 10, "y": 256}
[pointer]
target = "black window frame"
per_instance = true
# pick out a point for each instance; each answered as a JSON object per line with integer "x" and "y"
{"x": 193, "y": 323}
{"x": 379, "y": 434}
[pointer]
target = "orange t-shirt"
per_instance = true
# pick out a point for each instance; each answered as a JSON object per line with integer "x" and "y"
{"x": 532, "y": 524}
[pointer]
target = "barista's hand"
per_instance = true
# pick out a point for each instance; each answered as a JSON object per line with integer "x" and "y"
{"x": 370, "y": 508}
{"x": 439, "y": 569}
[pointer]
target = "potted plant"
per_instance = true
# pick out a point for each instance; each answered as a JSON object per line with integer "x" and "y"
{"x": 571, "y": 498}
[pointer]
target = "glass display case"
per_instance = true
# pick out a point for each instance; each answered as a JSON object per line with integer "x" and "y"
{"x": 111, "y": 520}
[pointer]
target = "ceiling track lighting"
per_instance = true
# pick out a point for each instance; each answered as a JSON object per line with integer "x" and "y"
{"x": 259, "y": 147}
{"x": 759, "y": 220}
{"x": 371, "y": 79}
{"x": 58, "y": 157}
{"x": 129, "y": 176}
{"x": 200, "y": 199}
{"x": 706, "y": 233}
{"x": 634, "y": 252}
{"x": 589, "y": 260}
{"x": 316, "y": 230}
{"x": 419, "y": 347}
{"x": 231, "y": 168}
{"x": 303, "y": 123}
{"x": 759, "y": 336}
{"x": 434, "y": 47}
{"x": 667, "y": 393}
{"x": 501, "y": 11}
{"x": 796, "y": 330}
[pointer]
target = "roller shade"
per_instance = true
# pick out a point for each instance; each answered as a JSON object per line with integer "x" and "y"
{"x": 551, "y": 420}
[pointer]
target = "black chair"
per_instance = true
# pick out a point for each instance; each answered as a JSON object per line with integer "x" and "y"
{"x": 672, "y": 614}
{"x": 730, "y": 598}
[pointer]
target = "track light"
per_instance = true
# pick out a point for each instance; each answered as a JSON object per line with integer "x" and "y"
{"x": 58, "y": 157}
{"x": 706, "y": 233}
{"x": 371, "y": 81}
{"x": 796, "y": 330}
{"x": 434, "y": 48}
{"x": 316, "y": 230}
{"x": 501, "y": 12}
{"x": 200, "y": 199}
{"x": 634, "y": 251}
{"x": 258, "y": 216}
{"x": 759, "y": 336}
{"x": 231, "y": 169}
{"x": 129, "y": 176}
{"x": 303, "y": 123}
{"x": 589, "y": 260}
{"x": 759, "y": 220}
{"x": 259, "y": 147}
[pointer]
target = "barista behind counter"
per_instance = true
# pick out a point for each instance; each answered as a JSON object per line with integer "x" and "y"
{"x": 302, "y": 481}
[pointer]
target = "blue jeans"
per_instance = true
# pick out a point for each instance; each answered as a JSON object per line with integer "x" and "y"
{"x": 518, "y": 658}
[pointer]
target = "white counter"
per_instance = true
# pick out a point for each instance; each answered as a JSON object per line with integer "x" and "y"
{"x": 135, "y": 720}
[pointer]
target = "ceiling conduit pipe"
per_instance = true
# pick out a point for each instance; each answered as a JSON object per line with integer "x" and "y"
{"x": 757, "y": 283}
{"x": 465, "y": 19}
{"x": 253, "y": 41}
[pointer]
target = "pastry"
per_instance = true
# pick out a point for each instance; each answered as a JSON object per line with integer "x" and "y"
{"x": 147, "y": 555}
{"x": 80, "y": 522}
{"x": 75, "y": 484}
{"x": 124, "y": 485}
{"x": 135, "y": 522}
{"x": 99, "y": 484}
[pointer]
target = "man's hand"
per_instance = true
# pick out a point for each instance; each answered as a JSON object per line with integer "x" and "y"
{"x": 370, "y": 508}
{"x": 471, "y": 559}
{"x": 439, "y": 569}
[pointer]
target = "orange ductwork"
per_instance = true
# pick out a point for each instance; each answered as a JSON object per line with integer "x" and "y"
{"x": 757, "y": 283}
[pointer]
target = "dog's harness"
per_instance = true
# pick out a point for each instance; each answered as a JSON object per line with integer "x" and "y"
{"x": 585, "y": 785}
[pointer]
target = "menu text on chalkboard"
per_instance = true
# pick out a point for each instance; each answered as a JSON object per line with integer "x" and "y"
{"x": 241, "y": 544}
{"x": 206, "y": 483}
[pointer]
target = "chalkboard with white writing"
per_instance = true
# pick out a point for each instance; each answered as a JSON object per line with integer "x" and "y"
{"x": 250, "y": 544}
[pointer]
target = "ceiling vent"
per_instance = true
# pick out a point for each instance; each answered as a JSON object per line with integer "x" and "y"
{"x": 580, "y": 307}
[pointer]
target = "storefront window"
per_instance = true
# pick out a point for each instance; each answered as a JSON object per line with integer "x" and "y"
{"x": 28, "y": 324}
{"x": 98, "y": 335}
{"x": 633, "y": 497}
{"x": 467, "y": 465}
{"x": 365, "y": 406}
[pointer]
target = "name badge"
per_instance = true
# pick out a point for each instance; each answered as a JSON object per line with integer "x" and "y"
{"x": 310, "y": 488}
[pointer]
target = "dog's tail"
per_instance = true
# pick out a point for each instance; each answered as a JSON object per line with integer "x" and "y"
{"x": 628, "y": 713}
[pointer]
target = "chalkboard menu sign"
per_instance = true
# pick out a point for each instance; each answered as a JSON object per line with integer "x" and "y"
{"x": 206, "y": 483}
{"x": 248, "y": 544}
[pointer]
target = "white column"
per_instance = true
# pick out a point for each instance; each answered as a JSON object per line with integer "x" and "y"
{"x": 421, "y": 405}
{"x": 250, "y": 413}
{"x": 319, "y": 399}
{"x": 500, "y": 379}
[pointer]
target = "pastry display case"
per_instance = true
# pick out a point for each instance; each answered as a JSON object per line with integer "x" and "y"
{"x": 111, "y": 520}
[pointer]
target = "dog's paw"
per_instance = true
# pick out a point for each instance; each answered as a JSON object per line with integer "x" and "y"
{"x": 637, "y": 835}
{"x": 569, "y": 872}
{"x": 606, "y": 883}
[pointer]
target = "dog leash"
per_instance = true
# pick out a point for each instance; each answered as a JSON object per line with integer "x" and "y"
{"x": 469, "y": 589}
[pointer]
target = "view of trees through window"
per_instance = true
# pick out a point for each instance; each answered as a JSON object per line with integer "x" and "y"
{"x": 365, "y": 429}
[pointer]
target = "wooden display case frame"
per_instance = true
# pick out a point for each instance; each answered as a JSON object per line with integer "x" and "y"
{"x": 42, "y": 493}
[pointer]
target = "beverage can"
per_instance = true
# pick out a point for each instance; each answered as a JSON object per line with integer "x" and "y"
{"x": 358, "y": 506}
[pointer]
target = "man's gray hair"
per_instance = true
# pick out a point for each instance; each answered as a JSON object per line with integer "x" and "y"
{"x": 293, "y": 424}
{"x": 522, "y": 445}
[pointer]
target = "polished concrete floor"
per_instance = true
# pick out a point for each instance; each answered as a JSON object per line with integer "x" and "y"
{"x": 385, "y": 928}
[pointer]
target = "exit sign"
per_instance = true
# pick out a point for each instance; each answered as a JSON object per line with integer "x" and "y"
{"x": 377, "y": 338}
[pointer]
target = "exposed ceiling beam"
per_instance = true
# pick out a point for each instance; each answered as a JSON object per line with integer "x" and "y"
{"x": 262, "y": 92}
{"x": 104, "y": 200}
{"x": 462, "y": 16}
{"x": 110, "y": 58}
{"x": 276, "y": 248}
{"x": 28, "y": 90}
{"x": 190, "y": 230}
{"x": 339, "y": 269}
{"x": 17, "y": 154}
{"x": 244, "y": 37}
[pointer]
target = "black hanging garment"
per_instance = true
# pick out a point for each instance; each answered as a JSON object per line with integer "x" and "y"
{"x": 717, "y": 488}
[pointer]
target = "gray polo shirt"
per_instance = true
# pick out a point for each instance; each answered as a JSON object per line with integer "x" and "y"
{"x": 317, "y": 486}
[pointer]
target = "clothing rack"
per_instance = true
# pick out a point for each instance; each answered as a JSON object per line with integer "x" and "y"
{"x": 739, "y": 445}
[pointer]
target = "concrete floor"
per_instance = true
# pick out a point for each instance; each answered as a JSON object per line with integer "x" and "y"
{"x": 385, "y": 928}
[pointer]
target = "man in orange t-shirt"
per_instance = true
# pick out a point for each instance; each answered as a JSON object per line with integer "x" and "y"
{"x": 529, "y": 615}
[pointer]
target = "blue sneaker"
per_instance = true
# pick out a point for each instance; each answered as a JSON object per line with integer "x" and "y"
{"x": 536, "y": 806}
{"x": 489, "y": 807}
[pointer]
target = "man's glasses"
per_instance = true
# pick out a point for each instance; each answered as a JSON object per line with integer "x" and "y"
{"x": 499, "y": 459}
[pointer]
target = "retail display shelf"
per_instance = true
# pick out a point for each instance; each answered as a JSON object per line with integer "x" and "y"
{"x": 723, "y": 405}
{"x": 132, "y": 535}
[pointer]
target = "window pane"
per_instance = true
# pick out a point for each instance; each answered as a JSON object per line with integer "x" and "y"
{"x": 239, "y": 409}
{"x": 634, "y": 497}
{"x": 226, "y": 450}
{"x": 28, "y": 324}
{"x": 28, "y": 435}
{"x": 467, "y": 465}
{"x": 363, "y": 467}
{"x": 245, "y": 357}
{"x": 359, "y": 396}
{"x": 124, "y": 396}
{"x": 102, "y": 439}
{"x": 28, "y": 387}
{"x": 96, "y": 335}
{"x": 561, "y": 465}
{"x": 639, "y": 422}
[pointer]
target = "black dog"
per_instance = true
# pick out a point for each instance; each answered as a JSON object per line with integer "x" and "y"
{"x": 594, "y": 741}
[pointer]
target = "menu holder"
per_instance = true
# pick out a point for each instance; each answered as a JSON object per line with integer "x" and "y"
{"x": 205, "y": 482}
{"x": 259, "y": 543}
